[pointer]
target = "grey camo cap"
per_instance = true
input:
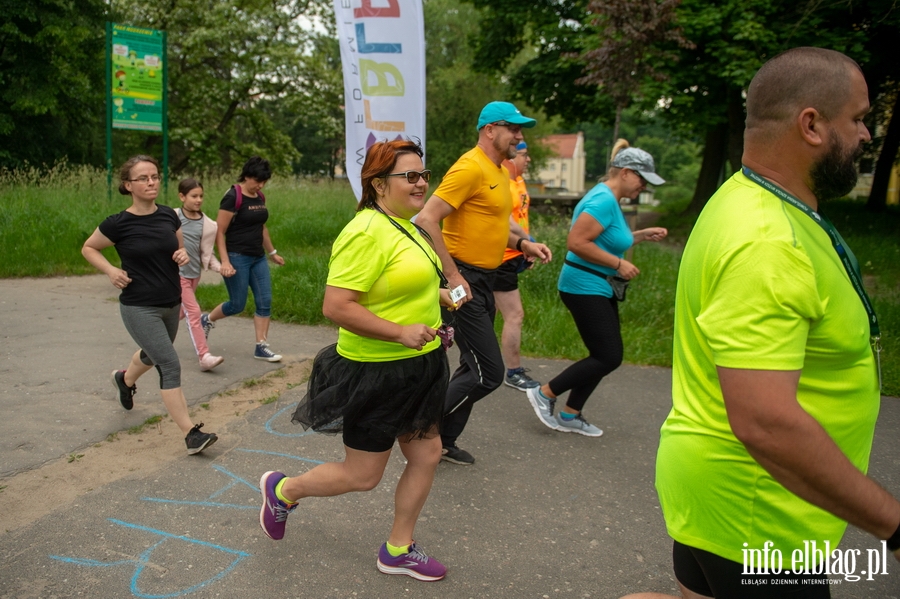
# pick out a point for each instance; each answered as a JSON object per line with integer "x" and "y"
{"x": 638, "y": 160}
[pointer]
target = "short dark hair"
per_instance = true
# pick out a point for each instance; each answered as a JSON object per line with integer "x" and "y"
{"x": 125, "y": 170}
{"x": 796, "y": 79}
{"x": 381, "y": 158}
{"x": 256, "y": 168}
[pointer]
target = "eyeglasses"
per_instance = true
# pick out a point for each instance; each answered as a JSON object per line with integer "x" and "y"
{"x": 145, "y": 179}
{"x": 514, "y": 129}
{"x": 641, "y": 177}
{"x": 413, "y": 176}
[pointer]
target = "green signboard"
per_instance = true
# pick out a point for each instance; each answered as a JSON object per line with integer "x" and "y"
{"x": 136, "y": 64}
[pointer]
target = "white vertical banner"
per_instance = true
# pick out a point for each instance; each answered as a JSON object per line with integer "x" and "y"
{"x": 383, "y": 58}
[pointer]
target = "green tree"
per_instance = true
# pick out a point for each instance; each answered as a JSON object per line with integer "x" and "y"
{"x": 51, "y": 81}
{"x": 704, "y": 85}
{"x": 227, "y": 60}
{"x": 625, "y": 47}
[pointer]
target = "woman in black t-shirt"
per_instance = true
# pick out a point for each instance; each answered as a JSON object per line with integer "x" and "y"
{"x": 243, "y": 243}
{"x": 147, "y": 237}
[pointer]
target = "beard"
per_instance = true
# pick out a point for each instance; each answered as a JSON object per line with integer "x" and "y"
{"x": 505, "y": 150}
{"x": 835, "y": 174}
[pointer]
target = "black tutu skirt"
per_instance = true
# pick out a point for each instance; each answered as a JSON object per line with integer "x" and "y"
{"x": 383, "y": 399}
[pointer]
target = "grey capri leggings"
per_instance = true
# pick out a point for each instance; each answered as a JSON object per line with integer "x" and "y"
{"x": 154, "y": 328}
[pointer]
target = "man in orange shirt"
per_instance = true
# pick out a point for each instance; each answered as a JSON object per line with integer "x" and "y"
{"x": 506, "y": 283}
{"x": 474, "y": 202}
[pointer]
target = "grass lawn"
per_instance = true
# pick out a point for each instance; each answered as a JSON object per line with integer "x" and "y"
{"x": 46, "y": 216}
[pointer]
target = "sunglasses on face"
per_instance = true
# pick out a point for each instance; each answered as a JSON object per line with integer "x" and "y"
{"x": 644, "y": 182}
{"x": 514, "y": 129}
{"x": 413, "y": 176}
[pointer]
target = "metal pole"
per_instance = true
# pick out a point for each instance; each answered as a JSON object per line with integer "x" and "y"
{"x": 165, "y": 115}
{"x": 109, "y": 109}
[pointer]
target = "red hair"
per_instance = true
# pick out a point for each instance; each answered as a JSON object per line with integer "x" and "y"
{"x": 380, "y": 161}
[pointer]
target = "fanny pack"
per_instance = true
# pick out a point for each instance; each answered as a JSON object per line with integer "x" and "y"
{"x": 618, "y": 284}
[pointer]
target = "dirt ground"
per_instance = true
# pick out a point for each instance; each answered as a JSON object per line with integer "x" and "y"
{"x": 148, "y": 448}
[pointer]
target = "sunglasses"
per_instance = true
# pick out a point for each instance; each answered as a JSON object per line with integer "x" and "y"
{"x": 641, "y": 177}
{"x": 514, "y": 129}
{"x": 413, "y": 176}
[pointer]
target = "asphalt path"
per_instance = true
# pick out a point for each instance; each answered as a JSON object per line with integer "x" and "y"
{"x": 540, "y": 514}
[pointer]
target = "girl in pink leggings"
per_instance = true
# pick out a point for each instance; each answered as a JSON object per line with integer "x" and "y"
{"x": 199, "y": 233}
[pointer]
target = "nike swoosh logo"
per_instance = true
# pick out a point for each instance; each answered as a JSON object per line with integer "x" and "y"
{"x": 493, "y": 186}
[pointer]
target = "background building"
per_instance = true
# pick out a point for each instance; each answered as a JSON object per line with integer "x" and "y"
{"x": 564, "y": 169}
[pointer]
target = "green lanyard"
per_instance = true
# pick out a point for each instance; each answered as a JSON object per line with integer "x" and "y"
{"x": 851, "y": 264}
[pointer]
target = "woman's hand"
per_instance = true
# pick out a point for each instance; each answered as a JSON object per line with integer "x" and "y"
{"x": 119, "y": 278}
{"x": 227, "y": 270}
{"x": 278, "y": 260}
{"x": 654, "y": 234}
{"x": 446, "y": 301}
{"x": 627, "y": 270}
{"x": 415, "y": 336}
{"x": 455, "y": 280}
{"x": 181, "y": 257}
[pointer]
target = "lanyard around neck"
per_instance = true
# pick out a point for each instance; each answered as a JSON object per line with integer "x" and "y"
{"x": 851, "y": 264}
{"x": 440, "y": 273}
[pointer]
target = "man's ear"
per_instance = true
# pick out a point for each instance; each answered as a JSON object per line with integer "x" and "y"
{"x": 812, "y": 126}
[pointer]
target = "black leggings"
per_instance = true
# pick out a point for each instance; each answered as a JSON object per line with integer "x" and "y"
{"x": 597, "y": 319}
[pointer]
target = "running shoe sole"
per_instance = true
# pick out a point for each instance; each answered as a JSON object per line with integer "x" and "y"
{"x": 393, "y": 570}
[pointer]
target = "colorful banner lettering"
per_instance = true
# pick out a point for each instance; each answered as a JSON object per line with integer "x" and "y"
{"x": 137, "y": 78}
{"x": 383, "y": 56}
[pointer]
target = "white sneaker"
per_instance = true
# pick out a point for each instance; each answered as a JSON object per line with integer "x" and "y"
{"x": 209, "y": 361}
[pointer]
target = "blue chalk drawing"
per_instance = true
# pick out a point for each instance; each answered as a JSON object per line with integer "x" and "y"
{"x": 282, "y": 455}
{"x": 144, "y": 559}
{"x": 271, "y": 421}
{"x": 235, "y": 480}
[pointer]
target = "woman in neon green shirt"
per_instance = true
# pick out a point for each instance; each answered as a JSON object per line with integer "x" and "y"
{"x": 386, "y": 377}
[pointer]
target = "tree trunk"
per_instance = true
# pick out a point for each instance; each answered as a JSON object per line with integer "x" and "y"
{"x": 714, "y": 151}
{"x": 878, "y": 194}
{"x": 736, "y": 119}
{"x": 615, "y": 136}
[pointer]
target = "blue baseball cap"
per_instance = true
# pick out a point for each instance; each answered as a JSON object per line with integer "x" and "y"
{"x": 494, "y": 112}
{"x": 521, "y": 146}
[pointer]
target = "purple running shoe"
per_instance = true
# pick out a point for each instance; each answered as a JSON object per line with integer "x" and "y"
{"x": 274, "y": 512}
{"x": 415, "y": 564}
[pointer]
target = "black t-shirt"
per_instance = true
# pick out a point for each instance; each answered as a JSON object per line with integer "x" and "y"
{"x": 146, "y": 244}
{"x": 245, "y": 233}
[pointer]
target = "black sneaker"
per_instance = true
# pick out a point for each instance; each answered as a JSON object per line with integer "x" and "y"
{"x": 457, "y": 456}
{"x": 197, "y": 441}
{"x": 126, "y": 393}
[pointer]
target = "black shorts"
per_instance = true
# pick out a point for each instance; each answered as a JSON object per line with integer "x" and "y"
{"x": 507, "y": 277}
{"x": 710, "y": 575}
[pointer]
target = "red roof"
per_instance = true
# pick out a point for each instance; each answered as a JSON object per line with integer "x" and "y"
{"x": 563, "y": 145}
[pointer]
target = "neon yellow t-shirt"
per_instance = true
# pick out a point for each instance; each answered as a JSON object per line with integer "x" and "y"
{"x": 396, "y": 280}
{"x": 760, "y": 287}
{"x": 477, "y": 231}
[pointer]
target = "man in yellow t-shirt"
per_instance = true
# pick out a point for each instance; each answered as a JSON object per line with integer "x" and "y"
{"x": 762, "y": 458}
{"x": 474, "y": 203}
{"x": 506, "y": 282}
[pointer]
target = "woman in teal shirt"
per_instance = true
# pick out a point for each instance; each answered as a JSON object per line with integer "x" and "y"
{"x": 597, "y": 242}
